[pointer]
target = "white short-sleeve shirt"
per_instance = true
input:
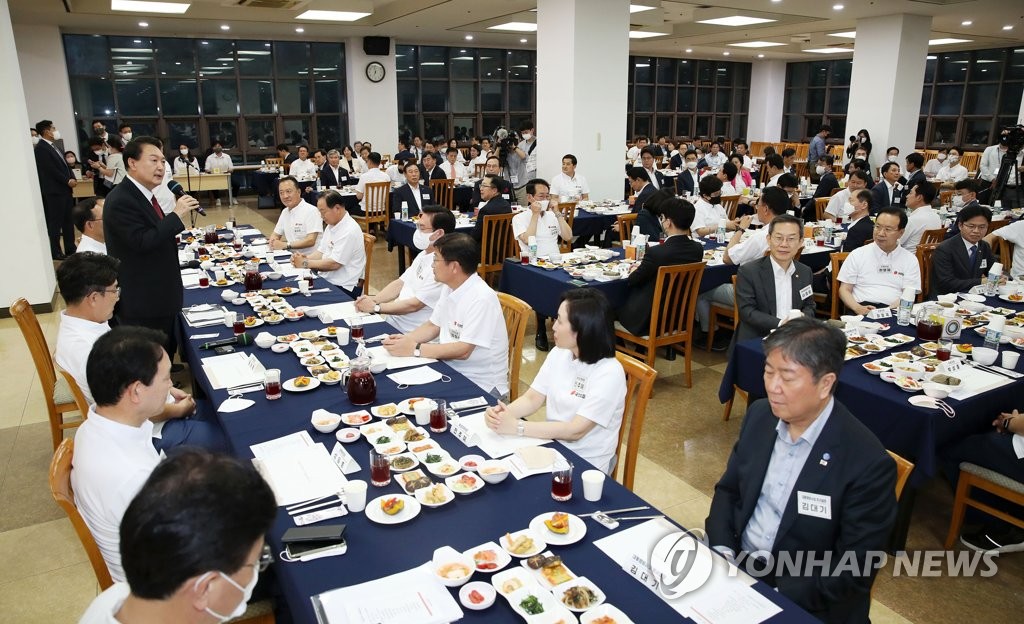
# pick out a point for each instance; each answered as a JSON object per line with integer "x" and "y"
{"x": 750, "y": 249}
{"x": 91, "y": 244}
{"x": 343, "y": 243}
{"x": 707, "y": 215}
{"x": 298, "y": 222}
{"x": 471, "y": 313}
{"x": 111, "y": 463}
{"x": 880, "y": 277}
{"x": 566, "y": 187}
{"x": 1014, "y": 233}
{"x": 952, "y": 173}
{"x": 839, "y": 204}
{"x": 303, "y": 169}
{"x": 547, "y": 231}
{"x": 104, "y": 607}
{"x": 75, "y": 338}
{"x": 919, "y": 220}
{"x": 417, "y": 283}
{"x": 372, "y": 175}
{"x": 595, "y": 391}
{"x": 222, "y": 162}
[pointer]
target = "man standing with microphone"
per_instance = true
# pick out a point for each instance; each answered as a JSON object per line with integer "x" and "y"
{"x": 142, "y": 237}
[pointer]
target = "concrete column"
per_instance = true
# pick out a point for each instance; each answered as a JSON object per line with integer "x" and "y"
{"x": 372, "y": 106}
{"x": 44, "y": 74}
{"x": 26, "y": 251}
{"x": 767, "y": 94}
{"x": 888, "y": 77}
{"x": 582, "y": 59}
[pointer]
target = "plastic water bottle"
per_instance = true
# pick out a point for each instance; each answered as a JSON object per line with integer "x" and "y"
{"x": 531, "y": 243}
{"x": 829, "y": 230}
{"x": 995, "y": 331}
{"x": 263, "y": 165}
{"x": 720, "y": 235}
{"x": 906, "y": 306}
{"x": 280, "y": 172}
{"x": 992, "y": 285}
{"x": 405, "y": 211}
{"x": 318, "y": 187}
{"x": 641, "y": 247}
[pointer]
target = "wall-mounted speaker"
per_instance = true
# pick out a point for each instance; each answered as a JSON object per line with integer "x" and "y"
{"x": 377, "y": 46}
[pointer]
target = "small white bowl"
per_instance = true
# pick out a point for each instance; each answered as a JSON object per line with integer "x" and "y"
{"x": 936, "y": 390}
{"x": 851, "y": 319}
{"x": 228, "y": 295}
{"x": 280, "y": 347}
{"x": 493, "y": 471}
{"x": 948, "y": 298}
{"x": 590, "y": 275}
{"x": 265, "y": 340}
{"x": 325, "y": 423}
{"x": 448, "y": 556}
{"x": 378, "y": 366}
{"x": 347, "y": 435}
{"x": 972, "y": 306}
{"x": 238, "y": 301}
{"x": 484, "y": 589}
{"x": 914, "y": 371}
{"x": 869, "y": 328}
{"x": 984, "y": 355}
{"x": 274, "y": 275}
{"x": 471, "y": 463}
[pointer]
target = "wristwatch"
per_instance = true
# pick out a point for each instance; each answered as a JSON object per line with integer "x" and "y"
{"x": 521, "y": 429}
{"x": 376, "y": 308}
{"x": 305, "y": 264}
{"x": 287, "y": 245}
{"x": 416, "y": 351}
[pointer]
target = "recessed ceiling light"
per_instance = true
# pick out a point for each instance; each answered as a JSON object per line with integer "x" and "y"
{"x": 148, "y": 7}
{"x": 1008, "y": 27}
{"x": 469, "y": 37}
{"x": 762, "y": 55}
{"x": 850, "y": 34}
{"x": 143, "y": 24}
{"x": 966, "y": 23}
{"x": 522, "y": 41}
{"x": 332, "y": 16}
{"x": 776, "y": 1}
{"x": 828, "y": 50}
{"x": 643, "y": 34}
{"x": 756, "y": 44}
{"x": 735, "y": 20}
{"x": 225, "y": 27}
{"x": 947, "y": 40}
{"x": 637, "y": 8}
{"x": 300, "y": 29}
{"x": 688, "y": 50}
{"x": 837, "y": 7}
{"x": 515, "y": 27}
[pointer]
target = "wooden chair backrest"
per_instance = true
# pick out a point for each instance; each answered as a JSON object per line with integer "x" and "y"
{"x": 819, "y": 207}
{"x": 516, "y": 313}
{"x": 377, "y": 199}
{"x": 995, "y": 225}
{"x": 970, "y": 160}
{"x": 945, "y": 197}
{"x": 731, "y": 203}
{"x": 444, "y": 192}
{"x": 568, "y": 209}
{"x": 496, "y": 243}
{"x": 639, "y": 383}
{"x": 368, "y": 241}
{"x": 903, "y": 470}
{"x": 626, "y": 222}
{"x": 274, "y": 162}
{"x": 80, "y": 401}
{"x": 60, "y": 488}
{"x": 33, "y": 333}
{"x": 675, "y": 299}
{"x": 837, "y": 260}
{"x": 1005, "y": 254}
{"x": 924, "y": 261}
{"x": 478, "y": 170}
{"x": 935, "y": 236}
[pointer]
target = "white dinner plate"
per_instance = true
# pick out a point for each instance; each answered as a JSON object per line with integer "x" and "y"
{"x": 377, "y": 410}
{"x": 539, "y": 545}
{"x": 559, "y": 591}
{"x": 258, "y": 322}
{"x": 421, "y": 495}
{"x": 290, "y": 385}
{"x": 605, "y": 610}
{"x": 501, "y": 558}
{"x": 577, "y": 529}
{"x": 406, "y": 409}
{"x": 411, "y": 510}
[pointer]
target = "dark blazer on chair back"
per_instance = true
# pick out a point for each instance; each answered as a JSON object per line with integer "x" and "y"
{"x": 635, "y": 313}
{"x": 755, "y": 296}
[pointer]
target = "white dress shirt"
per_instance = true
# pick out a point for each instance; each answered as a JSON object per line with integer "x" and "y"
{"x": 417, "y": 283}
{"x": 181, "y": 166}
{"x": 548, "y": 231}
{"x": 89, "y": 243}
{"x": 303, "y": 169}
{"x": 569, "y": 188}
{"x": 75, "y": 338}
{"x": 453, "y": 172}
{"x": 221, "y": 162}
{"x": 343, "y": 243}
{"x": 373, "y": 175}
{"x": 952, "y": 173}
{"x": 783, "y": 288}
{"x": 105, "y": 606}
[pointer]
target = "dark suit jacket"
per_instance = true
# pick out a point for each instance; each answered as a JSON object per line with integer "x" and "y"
{"x": 687, "y": 182}
{"x": 917, "y": 176}
{"x": 826, "y": 185}
{"x": 861, "y": 233}
{"x": 951, "y": 268}
{"x": 436, "y": 174}
{"x": 676, "y": 162}
{"x": 848, "y": 464}
{"x": 660, "y": 179}
{"x": 645, "y": 193}
{"x": 327, "y": 178}
{"x": 504, "y": 190}
{"x": 635, "y": 313}
{"x": 403, "y": 155}
{"x": 149, "y": 275}
{"x": 494, "y": 207}
{"x": 755, "y": 296}
{"x": 880, "y": 196}
{"x": 404, "y": 193}
{"x": 53, "y": 171}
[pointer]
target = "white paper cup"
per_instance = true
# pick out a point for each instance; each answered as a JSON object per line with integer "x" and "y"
{"x": 229, "y": 318}
{"x": 1010, "y": 359}
{"x": 422, "y": 410}
{"x": 397, "y": 216}
{"x": 218, "y": 274}
{"x": 355, "y": 495}
{"x": 304, "y": 286}
{"x": 342, "y": 336}
{"x": 593, "y": 484}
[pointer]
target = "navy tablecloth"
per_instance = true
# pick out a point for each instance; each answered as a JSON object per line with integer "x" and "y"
{"x": 375, "y": 551}
{"x": 914, "y": 432}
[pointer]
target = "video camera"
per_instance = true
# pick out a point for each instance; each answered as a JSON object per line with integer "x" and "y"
{"x": 1013, "y": 139}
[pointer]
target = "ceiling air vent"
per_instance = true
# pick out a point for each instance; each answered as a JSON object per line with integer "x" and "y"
{"x": 270, "y": 4}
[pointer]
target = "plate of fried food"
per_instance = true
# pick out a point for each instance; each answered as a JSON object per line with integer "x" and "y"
{"x": 301, "y": 384}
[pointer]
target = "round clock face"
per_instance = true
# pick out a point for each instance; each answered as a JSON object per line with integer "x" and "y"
{"x": 375, "y": 71}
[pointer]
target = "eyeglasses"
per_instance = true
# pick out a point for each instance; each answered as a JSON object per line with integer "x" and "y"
{"x": 886, "y": 229}
{"x": 116, "y": 290}
{"x": 486, "y": 186}
{"x": 778, "y": 240}
{"x": 981, "y": 227}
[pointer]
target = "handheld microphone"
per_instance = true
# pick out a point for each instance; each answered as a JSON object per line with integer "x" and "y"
{"x": 241, "y": 339}
{"x": 178, "y": 191}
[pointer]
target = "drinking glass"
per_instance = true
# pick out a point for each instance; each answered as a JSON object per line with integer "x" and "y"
{"x": 439, "y": 416}
{"x": 272, "y": 381}
{"x": 561, "y": 480}
{"x": 380, "y": 469}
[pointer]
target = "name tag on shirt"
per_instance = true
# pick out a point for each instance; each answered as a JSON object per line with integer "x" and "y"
{"x": 455, "y": 330}
{"x": 514, "y": 179}
{"x": 579, "y": 388}
{"x": 806, "y": 292}
{"x": 426, "y": 196}
{"x": 816, "y": 505}
{"x": 984, "y": 264}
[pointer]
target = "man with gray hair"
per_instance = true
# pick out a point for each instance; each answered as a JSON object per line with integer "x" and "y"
{"x": 331, "y": 173}
{"x": 806, "y": 480}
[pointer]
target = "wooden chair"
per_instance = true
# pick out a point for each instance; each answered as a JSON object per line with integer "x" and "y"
{"x": 377, "y": 199}
{"x": 478, "y": 170}
{"x": 934, "y": 237}
{"x": 672, "y": 312}
{"x": 995, "y": 225}
{"x": 970, "y": 160}
{"x": 924, "y": 261}
{"x": 496, "y": 244}
{"x": 368, "y": 241}
{"x": 903, "y": 469}
{"x": 834, "y": 191}
{"x": 639, "y": 383}
{"x": 837, "y": 260}
{"x": 723, "y": 316}
{"x": 56, "y": 392}
{"x": 60, "y": 488}
{"x": 444, "y": 192}
{"x": 80, "y": 401}
{"x": 731, "y": 203}
{"x": 945, "y": 197}
{"x": 516, "y": 312}
{"x": 568, "y": 209}
{"x": 625, "y": 223}
{"x": 1005, "y": 253}
{"x": 819, "y": 208}
{"x": 974, "y": 476}
{"x": 274, "y": 162}
{"x": 735, "y": 389}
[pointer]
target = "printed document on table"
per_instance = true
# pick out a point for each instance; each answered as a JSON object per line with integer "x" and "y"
{"x": 233, "y": 369}
{"x": 301, "y": 475}
{"x": 411, "y": 596}
{"x": 494, "y": 444}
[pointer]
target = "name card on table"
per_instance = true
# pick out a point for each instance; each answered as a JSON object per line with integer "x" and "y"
{"x": 343, "y": 460}
{"x": 463, "y": 433}
{"x": 637, "y": 568}
{"x": 880, "y": 313}
{"x": 951, "y": 366}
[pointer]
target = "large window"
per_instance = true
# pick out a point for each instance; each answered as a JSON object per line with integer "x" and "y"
{"x": 249, "y": 95}
{"x": 461, "y": 93}
{"x": 687, "y": 98}
{"x": 967, "y": 97}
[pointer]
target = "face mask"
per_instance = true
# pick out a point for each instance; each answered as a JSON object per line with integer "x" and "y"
{"x": 98, "y": 152}
{"x": 940, "y": 157}
{"x": 127, "y": 136}
{"x": 820, "y": 169}
{"x": 691, "y": 165}
{"x": 958, "y": 201}
{"x": 184, "y": 152}
{"x": 246, "y": 595}
{"x": 527, "y": 136}
{"x": 217, "y": 151}
{"x": 70, "y": 162}
{"x": 892, "y": 159}
{"x": 235, "y": 403}
{"x": 861, "y": 156}
{"x": 35, "y": 140}
{"x": 954, "y": 159}
{"x": 714, "y": 201}
{"x": 56, "y": 135}
{"x": 421, "y": 240}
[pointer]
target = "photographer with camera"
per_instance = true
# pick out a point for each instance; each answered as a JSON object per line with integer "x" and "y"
{"x": 1011, "y": 139}
{"x": 521, "y": 160}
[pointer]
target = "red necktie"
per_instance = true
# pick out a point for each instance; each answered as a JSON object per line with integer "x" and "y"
{"x": 156, "y": 207}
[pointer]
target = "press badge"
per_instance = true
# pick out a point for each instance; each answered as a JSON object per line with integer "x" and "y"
{"x": 806, "y": 292}
{"x": 817, "y": 505}
{"x": 984, "y": 264}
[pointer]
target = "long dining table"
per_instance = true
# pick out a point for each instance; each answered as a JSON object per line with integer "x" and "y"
{"x": 376, "y": 550}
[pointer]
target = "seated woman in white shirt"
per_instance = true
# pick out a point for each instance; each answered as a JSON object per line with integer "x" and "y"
{"x": 349, "y": 160}
{"x": 581, "y": 384}
{"x": 476, "y": 157}
{"x": 182, "y": 162}
{"x": 953, "y": 172}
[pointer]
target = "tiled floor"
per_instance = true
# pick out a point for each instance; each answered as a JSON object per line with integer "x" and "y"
{"x": 46, "y": 577}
